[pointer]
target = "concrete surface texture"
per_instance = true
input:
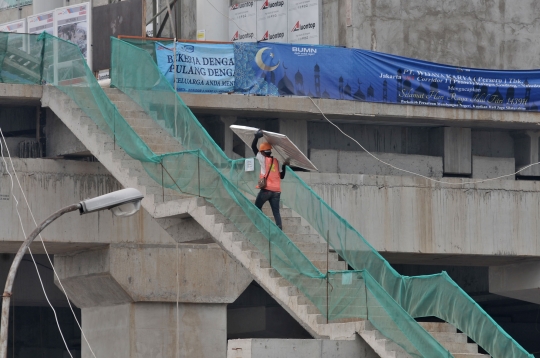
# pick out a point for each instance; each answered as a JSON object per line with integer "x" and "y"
{"x": 501, "y": 34}
{"x": 370, "y": 113}
{"x": 142, "y": 330}
{"x": 520, "y": 281}
{"x": 405, "y": 215}
{"x": 457, "y": 151}
{"x": 349, "y": 162}
{"x": 60, "y": 140}
{"x": 298, "y": 348}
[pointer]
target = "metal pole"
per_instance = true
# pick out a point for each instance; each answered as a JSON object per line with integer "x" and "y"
{"x": 6, "y": 297}
{"x": 199, "y": 172}
{"x": 159, "y": 13}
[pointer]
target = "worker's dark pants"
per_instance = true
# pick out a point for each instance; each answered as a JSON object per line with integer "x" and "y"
{"x": 273, "y": 198}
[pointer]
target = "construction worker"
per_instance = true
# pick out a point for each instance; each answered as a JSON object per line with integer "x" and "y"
{"x": 269, "y": 169}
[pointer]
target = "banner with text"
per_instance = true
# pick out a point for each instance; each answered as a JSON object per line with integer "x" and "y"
{"x": 200, "y": 68}
{"x": 361, "y": 75}
{"x": 243, "y": 22}
{"x": 272, "y": 21}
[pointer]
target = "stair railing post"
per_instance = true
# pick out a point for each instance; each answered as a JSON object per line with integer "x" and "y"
{"x": 162, "y": 182}
{"x": 269, "y": 244}
{"x": 199, "y": 171}
{"x": 327, "y": 278}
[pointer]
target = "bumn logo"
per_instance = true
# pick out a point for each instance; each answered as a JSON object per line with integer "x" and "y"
{"x": 298, "y": 27}
{"x": 304, "y": 51}
{"x": 267, "y": 4}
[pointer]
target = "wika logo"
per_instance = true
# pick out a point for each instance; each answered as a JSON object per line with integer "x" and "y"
{"x": 304, "y": 51}
{"x": 268, "y": 37}
{"x": 238, "y": 37}
{"x": 242, "y": 5}
{"x": 268, "y": 5}
{"x": 299, "y": 27}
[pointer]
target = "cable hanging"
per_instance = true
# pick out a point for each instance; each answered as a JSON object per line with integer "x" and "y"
{"x": 42, "y": 242}
{"x": 413, "y": 173}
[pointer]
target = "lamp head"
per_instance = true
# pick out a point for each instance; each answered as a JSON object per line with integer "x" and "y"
{"x": 123, "y": 203}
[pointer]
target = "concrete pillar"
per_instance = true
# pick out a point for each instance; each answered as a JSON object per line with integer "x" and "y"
{"x": 128, "y": 295}
{"x": 296, "y": 130}
{"x": 526, "y": 152}
{"x": 518, "y": 281}
{"x": 457, "y": 157}
{"x": 228, "y": 140}
{"x": 149, "y": 329}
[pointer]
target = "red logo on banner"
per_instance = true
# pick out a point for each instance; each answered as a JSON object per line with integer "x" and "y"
{"x": 265, "y": 6}
{"x": 235, "y": 37}
{"x": 299, "y": 27}
{"x": 265, "y": 37}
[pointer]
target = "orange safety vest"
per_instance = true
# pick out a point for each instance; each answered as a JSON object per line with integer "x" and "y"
{"x": 273, "y": 182}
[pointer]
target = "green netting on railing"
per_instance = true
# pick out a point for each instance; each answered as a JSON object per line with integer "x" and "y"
{"x": 340, "y": 295}
{"x": 436, "y": 295}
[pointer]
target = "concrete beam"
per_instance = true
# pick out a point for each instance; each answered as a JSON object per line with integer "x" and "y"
{"x": 519, "y": 281}
{"x": 298, "y": 348}
{"x": 19, "y": 95}
{"x": 148, "y": 273}
{"x": 365, "y": 112}
{"x": 412, "y": 219}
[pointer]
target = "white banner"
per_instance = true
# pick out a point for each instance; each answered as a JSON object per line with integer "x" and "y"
{"x": 18, "y": 26}
{"x": 304, "y": 24}
{"x": 72, "y": 23}
{"x": 41, "y": 22}
{"x": 243, "y": 22}
{"x": 272, "y": 23}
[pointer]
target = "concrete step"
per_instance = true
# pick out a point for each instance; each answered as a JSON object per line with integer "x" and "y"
{"x": 309, "y": 247}
{"x": 305, "y": 238}
{"x": 449, "y": 337}
{"x": 438, "y": 327}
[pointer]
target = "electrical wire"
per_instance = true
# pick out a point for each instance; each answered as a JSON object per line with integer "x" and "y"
{"x": 43, "y": 244}
{"x": 24, "y": 234}
{"x": 413, "y": 173}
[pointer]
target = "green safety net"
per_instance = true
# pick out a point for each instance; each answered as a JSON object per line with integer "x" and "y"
{"x": 421, "y": 296}
{"x": 373, "y": 291}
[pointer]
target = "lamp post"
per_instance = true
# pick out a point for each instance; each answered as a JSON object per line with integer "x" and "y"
{"x": 122, "y": 203}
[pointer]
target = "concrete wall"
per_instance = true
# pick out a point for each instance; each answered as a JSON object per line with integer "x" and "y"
{"x": 60, "y": 140}
{"x": 500, "y": 34}
{"x": 212, "y": 16}
{"x": 150, "y": 330}
{"x": 298, "y": 348}
{"x": 349, "y": 162}
{"x": 423, "y": 222}
{"x": 52, "y": 184}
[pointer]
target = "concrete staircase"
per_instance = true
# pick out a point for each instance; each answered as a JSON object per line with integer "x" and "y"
{"x": 167, "y": 205}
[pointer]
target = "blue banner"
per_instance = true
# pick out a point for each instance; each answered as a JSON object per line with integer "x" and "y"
{"x": 200, "y": 68}
{"x": 353, "y": 74}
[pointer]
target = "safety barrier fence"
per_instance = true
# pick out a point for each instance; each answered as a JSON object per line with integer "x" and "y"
{"x": 373, "y": 291}
{"x": 421, "y": 296}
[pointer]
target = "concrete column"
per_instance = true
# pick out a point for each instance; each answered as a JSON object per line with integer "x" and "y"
{"x": 518, "y": 281}
{"x": 141, "y": 330}
{"x": 228, "y": 146}
{"x": 296, "y": 130}
{"x": 457, "y": 157}
{"x": 526, "y": 151}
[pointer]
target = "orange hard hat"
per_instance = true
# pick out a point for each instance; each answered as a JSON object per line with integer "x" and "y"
{"x": 265, "y": 146}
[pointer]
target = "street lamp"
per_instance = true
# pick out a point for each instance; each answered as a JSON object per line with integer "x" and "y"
{"x": 122, "y": 203}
